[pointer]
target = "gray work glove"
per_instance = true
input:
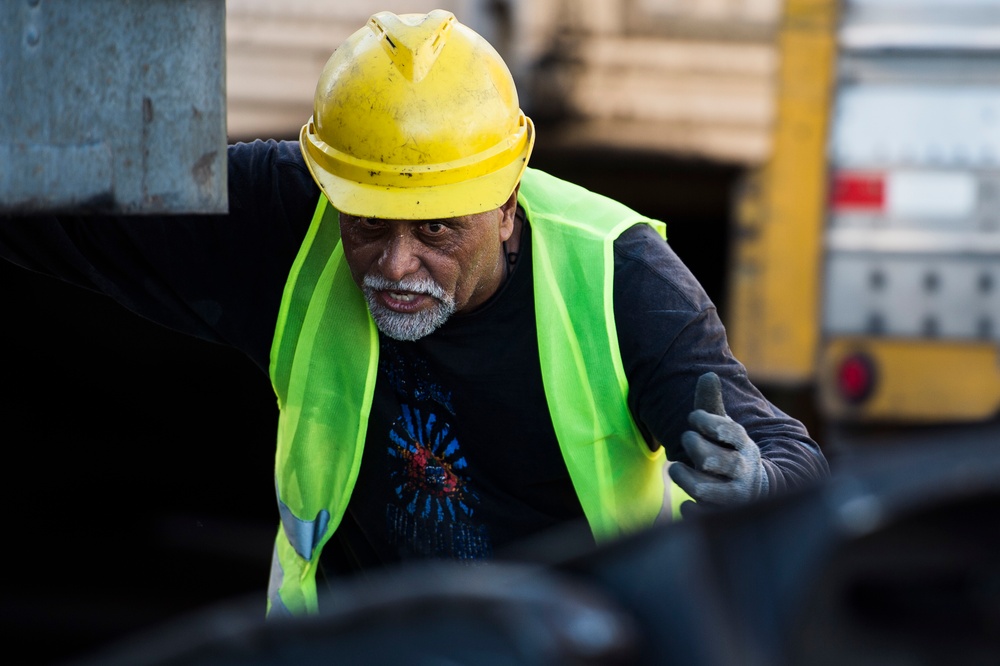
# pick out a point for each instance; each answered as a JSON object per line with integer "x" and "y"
{"x": 726, "y": 463}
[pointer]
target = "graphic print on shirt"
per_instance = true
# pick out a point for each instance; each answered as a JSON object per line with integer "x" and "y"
{"x": 434, "y": 514}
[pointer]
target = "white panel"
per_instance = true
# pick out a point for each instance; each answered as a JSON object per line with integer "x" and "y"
{"x": 954, "y": 5}
{"x": 886, "y": 124}
{"x": 846, "y": 306}
{"x": 930, "y": 193}
{"x": 950, "y": 297}
{"x": 920, "y": 37}
{"x": 909, "y": 241}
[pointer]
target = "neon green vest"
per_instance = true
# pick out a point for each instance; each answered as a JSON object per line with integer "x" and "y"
{"x": 325, "y": 356}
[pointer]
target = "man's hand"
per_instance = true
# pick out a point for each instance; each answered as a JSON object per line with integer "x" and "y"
{"x": 726, "y": 463}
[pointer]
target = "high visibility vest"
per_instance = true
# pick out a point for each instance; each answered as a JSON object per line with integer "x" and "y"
{"x": 324, "y": 361}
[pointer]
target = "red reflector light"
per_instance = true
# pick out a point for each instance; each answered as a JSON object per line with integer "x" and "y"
{"x": 855, "y": 190}
{"x": 856, "y": 378}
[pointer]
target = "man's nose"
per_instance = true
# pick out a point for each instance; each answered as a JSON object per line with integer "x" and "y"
{"x": 400, "y": 258}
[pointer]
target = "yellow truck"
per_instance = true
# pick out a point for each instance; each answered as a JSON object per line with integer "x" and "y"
{"x": 866, "y": 259}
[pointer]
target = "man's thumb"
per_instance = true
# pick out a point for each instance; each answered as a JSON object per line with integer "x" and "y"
{"x": 708, "y": 394}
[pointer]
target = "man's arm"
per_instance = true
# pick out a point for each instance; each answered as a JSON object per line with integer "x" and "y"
{"x": 670, "y": 336}
{"x": 218, "y": 277}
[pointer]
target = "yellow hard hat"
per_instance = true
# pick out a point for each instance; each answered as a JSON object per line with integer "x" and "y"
{"x": 416, "y": 117}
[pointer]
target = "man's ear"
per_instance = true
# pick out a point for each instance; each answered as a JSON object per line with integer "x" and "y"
{"x": 508, "y": 210}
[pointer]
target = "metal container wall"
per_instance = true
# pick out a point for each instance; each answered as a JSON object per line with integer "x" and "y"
{"x": 112, "y": 106}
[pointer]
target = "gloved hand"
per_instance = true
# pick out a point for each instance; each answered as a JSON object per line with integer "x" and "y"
{"x": 726, "y": 463}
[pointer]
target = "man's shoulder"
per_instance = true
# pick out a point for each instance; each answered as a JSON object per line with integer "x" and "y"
{"x": 271, "y": 175}
{"x": 646, "y": 267}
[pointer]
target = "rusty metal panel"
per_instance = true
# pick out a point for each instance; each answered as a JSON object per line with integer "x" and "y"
{"x": 112, "y": 106}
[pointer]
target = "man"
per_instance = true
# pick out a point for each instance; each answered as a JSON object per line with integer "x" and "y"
{"x": 465, "y": 351}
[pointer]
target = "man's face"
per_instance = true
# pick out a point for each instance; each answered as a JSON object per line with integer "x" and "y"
{"x": 416, "y": 273}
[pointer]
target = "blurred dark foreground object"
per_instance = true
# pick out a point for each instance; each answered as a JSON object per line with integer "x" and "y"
{"x": 896, "y": 559}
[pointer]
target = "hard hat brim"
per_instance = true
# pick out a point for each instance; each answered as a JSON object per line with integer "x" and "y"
{"x": 419, "y": 202}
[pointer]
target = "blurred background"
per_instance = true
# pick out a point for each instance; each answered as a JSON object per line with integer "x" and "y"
{"x": 830, "y": 171}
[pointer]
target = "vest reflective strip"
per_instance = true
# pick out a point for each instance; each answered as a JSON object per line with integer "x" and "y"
{"x": 275, "y": 604}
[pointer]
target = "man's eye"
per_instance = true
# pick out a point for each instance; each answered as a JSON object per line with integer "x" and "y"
{"x": 367, "y": 224}
{"x": 434, "y": 227}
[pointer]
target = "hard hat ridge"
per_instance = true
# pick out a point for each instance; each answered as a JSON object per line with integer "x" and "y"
{"x": 413, "y": 45}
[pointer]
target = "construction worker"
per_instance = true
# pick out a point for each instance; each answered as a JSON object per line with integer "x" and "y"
{"x": 465, "y": 351}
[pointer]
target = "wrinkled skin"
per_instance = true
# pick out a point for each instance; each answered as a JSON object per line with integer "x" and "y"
{"x": 427, "y": 268}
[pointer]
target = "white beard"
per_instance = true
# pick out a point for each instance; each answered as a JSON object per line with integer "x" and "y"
{"x": 403, "y": 326}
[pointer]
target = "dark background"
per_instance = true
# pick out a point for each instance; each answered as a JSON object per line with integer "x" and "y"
{"x": 138, "y": 461}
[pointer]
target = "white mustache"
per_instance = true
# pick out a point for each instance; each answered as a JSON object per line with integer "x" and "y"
{"x": 414, "y": 285}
